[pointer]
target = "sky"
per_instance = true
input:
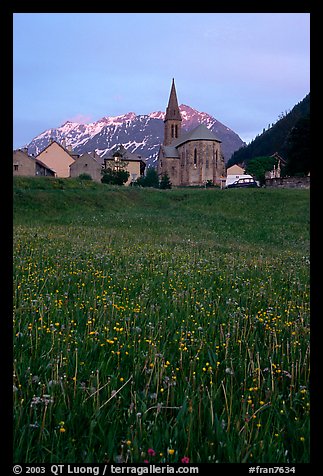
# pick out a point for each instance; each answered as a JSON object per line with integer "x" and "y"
{"x": 244, "y": 69}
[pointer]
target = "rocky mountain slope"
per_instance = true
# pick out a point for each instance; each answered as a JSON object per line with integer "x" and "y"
{"x": 276, "y": 138}
{"x": 141, "y": 134}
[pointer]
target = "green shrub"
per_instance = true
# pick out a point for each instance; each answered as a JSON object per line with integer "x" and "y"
{"x": 114, "y": 177}
{"x": 85, "y": 176}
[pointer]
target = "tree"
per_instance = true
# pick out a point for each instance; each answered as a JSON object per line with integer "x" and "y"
{"x": 276, "y": 138}
{"x": 258, "y": 167}
{"x": 150, "y": 179}
{"x": 114, "y": 177}
{"x": 165, "y": 182}
{"x": 298, "y": 150}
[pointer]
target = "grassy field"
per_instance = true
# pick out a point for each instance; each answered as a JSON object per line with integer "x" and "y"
{"x": 162, "y": 326}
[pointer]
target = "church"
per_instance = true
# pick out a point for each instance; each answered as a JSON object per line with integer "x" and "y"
{"x": 189, "y": 158}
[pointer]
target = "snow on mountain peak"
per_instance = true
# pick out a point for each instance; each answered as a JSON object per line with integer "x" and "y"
{"x": 140, "y": 133}
{"x": 157, "y": 115}
{"x": 108, "y": 120}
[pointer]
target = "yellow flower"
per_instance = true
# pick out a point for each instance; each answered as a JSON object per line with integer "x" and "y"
{"x": 62, "y": 430}
{"x": 171, "y": 451}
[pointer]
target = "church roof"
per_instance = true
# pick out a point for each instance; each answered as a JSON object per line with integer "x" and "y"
{"x": 172, "y": 111}
{"x": 201, "y": 132}
{"x": 170, "y": 151}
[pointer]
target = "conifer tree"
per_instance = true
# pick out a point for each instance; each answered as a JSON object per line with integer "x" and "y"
{"x": 165, "y": 182}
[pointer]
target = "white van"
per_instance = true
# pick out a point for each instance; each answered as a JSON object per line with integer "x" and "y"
{"x": 233, "y": 178}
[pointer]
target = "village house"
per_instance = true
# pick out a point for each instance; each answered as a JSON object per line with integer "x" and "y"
{"x": 43, "y": 170}
{"x": 57, "y": 158}
{"x": 122, "y": 158}
{"x": 89, "y": 163}
{"x": 191, "y": 158}
{"x": 23, "y": 164}
{"x": 29, "y": 166}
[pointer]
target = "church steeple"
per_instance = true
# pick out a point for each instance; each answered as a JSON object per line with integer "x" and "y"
{"x": 173, "y": 119}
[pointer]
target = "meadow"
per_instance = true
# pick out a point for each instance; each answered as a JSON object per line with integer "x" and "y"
{"x": 160, "y": 326}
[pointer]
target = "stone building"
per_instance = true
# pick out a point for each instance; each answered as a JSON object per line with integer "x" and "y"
{"x": 122, "y": 158}
{"x": 89, "y": 163}
{"x": 57, "y": 158}
{"x": 26, "y": 165}
{"x": 23, "y": 164}
{"x": 190, "y": 158}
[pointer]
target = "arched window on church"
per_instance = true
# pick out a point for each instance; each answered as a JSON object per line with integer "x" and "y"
{"x": 173, "y": 130}
{"x": 195, "y": 158}
{"x": 176, "y": 131}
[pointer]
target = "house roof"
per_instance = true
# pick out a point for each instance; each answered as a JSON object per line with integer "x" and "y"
{"x": 90, "y": 156}
{"x": 278, "y": 157}
{"x": 44, "y": 165}
{"x": 125, "y": 154}
{"x": 23, "y": 151}
{"x": 70, "y": 153}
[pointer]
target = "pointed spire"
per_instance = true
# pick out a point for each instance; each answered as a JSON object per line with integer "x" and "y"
{"x": 172, "y": 111}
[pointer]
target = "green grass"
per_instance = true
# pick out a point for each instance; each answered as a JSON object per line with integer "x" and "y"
{"x": 165, "y": 320}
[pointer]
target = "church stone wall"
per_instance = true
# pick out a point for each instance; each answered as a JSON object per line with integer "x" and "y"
{"x": 200, "y": 161}
{"x": 171, "y": 167}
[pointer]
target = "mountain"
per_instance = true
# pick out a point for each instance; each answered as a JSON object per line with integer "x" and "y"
{"x": 141, "y": 134}
{"x": 276, "y": 138}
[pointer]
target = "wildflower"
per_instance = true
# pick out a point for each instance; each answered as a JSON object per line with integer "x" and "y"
{"x": 170, "y": 451}
{"x": 151, "y": 452}
{"x": 185, "y": 459}
{"x": 62, "y": 429}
